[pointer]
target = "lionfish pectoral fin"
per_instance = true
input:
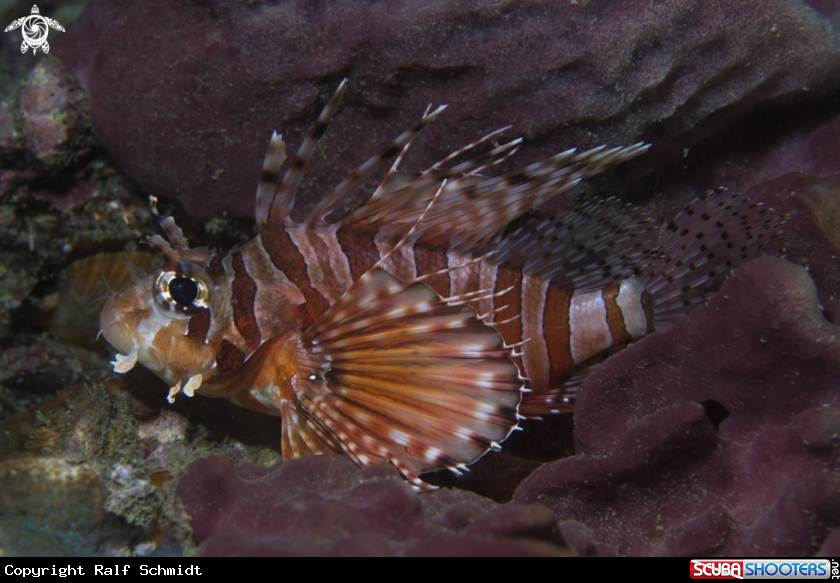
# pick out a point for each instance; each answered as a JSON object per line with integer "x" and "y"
{"x": 263, "y": 370}
{"x": 229, "y": 384}
{"x": 300, "y": 438}
{"x": 392, "y": 372}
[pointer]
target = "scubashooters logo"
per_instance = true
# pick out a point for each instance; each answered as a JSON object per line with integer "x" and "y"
{"x": 35, "y": 30}
{"x": 763, "y": 569}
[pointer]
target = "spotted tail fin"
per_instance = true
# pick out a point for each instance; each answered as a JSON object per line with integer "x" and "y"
{"x": 684, "y": 265}
{"x": 587, "y": 246}
{"x": 700, "y": 247}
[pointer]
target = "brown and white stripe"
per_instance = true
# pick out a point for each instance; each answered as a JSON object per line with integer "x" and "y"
{"x": 401, "y": 263}
{"x": 328, "y": 268}
{"x": 562, "y": 328}
{"x": 322, "y": 261}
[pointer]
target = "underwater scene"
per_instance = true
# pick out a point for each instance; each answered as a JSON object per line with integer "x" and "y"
{"x": 430, "y": 278}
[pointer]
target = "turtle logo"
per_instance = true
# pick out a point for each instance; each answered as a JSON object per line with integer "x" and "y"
{"x": 35, "y": 29}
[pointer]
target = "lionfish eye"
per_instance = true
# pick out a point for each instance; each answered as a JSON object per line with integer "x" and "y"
{"x": 182, "y": 291}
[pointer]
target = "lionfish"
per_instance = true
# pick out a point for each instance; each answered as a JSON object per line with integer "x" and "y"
{"x": 415, "y": 330}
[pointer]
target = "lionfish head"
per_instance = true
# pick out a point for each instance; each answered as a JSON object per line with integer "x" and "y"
{"x": 148, "y": 320}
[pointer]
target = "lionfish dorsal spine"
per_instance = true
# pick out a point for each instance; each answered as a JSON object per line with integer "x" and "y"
{"x": 368, "y": 167}
{"x": 278, "y": 210}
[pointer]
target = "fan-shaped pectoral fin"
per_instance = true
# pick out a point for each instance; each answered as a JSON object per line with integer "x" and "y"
{"x": 393, "y": 372}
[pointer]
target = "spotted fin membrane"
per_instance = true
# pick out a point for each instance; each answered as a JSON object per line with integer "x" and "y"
{"x": 678, "y": 266}
{"x": 702, "y": 245}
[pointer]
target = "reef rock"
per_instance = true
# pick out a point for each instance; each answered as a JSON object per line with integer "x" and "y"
{"x": 715, "y": 436}
{"x": 812, "y": 231}
{"x": 184, "y": 95}
{"x": 50, "y": 508}
{"x": 54, "y": 115}
{"x": 325, "y": 505}
{"x": 44, "y": 126}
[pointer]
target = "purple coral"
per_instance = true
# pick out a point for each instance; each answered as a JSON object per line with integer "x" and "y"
{"x": 716, "y": 436}
{"x": 184, "y": 95}
{"x": 325, "y": 505}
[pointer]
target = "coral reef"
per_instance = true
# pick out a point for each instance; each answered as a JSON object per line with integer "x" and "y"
{"x": 56, "y": 195}
{"x": 54, "y": 463}
{"x": 812, "y": 232}
{"x": 34, "y": 366}
{"x": 109, "y": 454}
{"x": 46, "y": 125}
{"x": 613, "y": 71}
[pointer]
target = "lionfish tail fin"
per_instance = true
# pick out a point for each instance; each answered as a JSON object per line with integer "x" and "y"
{"x": 701, "y": 246}
{"x": 393, "y": 373}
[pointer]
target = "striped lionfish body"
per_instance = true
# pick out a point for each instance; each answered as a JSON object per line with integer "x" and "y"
{"x": 413, "y": 331}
